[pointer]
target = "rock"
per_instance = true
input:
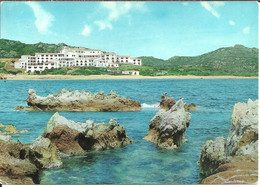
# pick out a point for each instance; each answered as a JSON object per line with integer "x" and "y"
{"x": 167, "y": 128}
{"x": 15, "y": 166}
{"x": 10, "y": 129}
{"x": 21, "y": 163}
{"x": 244, "y": 129}
{"x": 5, "y": 138}
{"x": 44, "y": 153}
{"x": 190, "y": 107}
{"x": 242, "y": 170}
{"x": 72, "y": 138}
{"x": 166, "y": 102}
{"x": 79, "y": 101}
{"x": 235, "y": 160}
{"x": 212, "y": 156}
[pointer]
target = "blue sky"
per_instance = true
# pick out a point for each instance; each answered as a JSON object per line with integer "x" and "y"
{"x": 159, "y": 29}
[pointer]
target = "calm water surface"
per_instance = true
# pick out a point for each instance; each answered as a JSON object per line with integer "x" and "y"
{"x": 141, "y": 162}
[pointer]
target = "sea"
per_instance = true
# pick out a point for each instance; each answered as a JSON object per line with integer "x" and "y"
{"x": 141, "y": 162}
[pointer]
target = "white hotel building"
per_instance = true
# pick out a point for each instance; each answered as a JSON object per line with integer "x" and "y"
{"x": 73, "y": 57}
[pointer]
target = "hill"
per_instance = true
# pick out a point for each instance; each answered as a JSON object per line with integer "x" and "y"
{"x": 238, "y": 60}
{"x": 14, "y": 49}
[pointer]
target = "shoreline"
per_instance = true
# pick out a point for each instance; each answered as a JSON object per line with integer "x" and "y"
{"x": 112, "y": 77}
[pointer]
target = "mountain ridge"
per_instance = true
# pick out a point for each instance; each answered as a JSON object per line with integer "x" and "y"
{"x": 236, "y": 60}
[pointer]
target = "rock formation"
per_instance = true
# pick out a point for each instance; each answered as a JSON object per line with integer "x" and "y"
{"x": 73, "y": 138}
{"x": 10, "y": 129}
{"x": 190, "y": 107}
{"x": 167, "y": 128}
{"x": 43, "y": 153}
{"x": 79, "y": 101}
{"x": 167, "y": 103}
{"x": 15, "y": 166}
{"x": 235, "y": 160}
{"x": 21, "y": 163}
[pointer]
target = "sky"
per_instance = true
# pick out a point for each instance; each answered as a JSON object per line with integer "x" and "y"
{"x": 159, "y": 29}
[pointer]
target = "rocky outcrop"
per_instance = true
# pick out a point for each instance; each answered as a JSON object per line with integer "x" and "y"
{"x": 9, "y": 129}
{"x": 15, "y": 165}
{"x": 167, "y": 128}
{"x": 234, "y": 160}
{"x": 79, "y": 101}
{"x": 167, "y": 103}
{"x": 240, "y": 170}
{"x": 43, "y": 153}
{"x": 72, "y": 138}
{"x": 21, "y": 163}
{"x": 190, "y": 107}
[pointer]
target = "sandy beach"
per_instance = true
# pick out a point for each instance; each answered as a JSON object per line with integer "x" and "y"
{"x": 101, "y": 77}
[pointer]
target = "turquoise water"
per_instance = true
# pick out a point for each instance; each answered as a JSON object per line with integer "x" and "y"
{"x": 141, "y": 162}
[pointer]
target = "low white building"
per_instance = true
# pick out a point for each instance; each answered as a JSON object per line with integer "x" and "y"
{"x": 73, "y": 57}
{"x": 130, "y": 73}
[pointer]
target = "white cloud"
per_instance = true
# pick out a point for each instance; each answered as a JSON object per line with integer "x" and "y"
{"x": 217, "y": 3}
{"x": 86, "y": 31}
{"x": 185, "y": 3}
{"x": 115, "y": 11}
{"x": 246, "y": 30}
{"x": 232, "y": 23}
{"x": 211, "y": 7}
{"x": 43, "y": 19}
{"x": 103, "y": 25}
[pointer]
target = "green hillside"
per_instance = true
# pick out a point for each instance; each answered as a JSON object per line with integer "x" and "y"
{"x": 238, "y": 60}
{"x": 14, "y": 49}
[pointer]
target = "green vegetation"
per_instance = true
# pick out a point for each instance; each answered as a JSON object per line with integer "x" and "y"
{"x": 78, "y": 71}
{"x": 237, "y": 60}
{"x": 7, "y": 67}
{"x": 14, "y": 49}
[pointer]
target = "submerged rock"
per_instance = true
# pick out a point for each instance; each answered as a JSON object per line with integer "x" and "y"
{"x": 10, "y": 129}
{"x": 190, "y": 107}
{"x": 167, "y": 128}
{"x": 75, "y": 138}
{"x": 79, "y": 101}
{"x": 235, "y": 160}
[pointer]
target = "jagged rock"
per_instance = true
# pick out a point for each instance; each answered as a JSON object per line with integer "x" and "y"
{"x": 212, "y": 156}
{"x": 167, "y": 103}
{"x": 74, "y": 138}
{"x": 15, "y": 165}
{"x": 44, "y": 153}
{"x": 190, "y": 107}
{"x": 10, "y": 129}
{"x": 79, "y": 101}
{"x": 167, "y": 128}
{"x": 238, "y": 153}
{"x": 21, "y": 163}
{"x": 243, "y": 132}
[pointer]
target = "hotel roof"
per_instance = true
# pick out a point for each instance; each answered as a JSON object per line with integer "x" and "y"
{"x": 47, "y": 53}
{"x": 83, "y": 49}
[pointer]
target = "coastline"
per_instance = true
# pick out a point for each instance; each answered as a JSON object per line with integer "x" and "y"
{"x": 111, "y": 77}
